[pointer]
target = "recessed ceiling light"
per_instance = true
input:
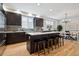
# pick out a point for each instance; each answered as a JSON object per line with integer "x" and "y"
{"x": 37, "y": 16}
{"x": 29, "y": 14}
{"x": 18, "y": 11}
{"x": 38, "y": 4}
{"x": 50, "y": 10}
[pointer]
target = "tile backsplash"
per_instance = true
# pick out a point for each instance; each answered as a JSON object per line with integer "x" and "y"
{"x": 38, "y": 29}
{"x": 19, "y": 28}
{"x": 12, "y": 28}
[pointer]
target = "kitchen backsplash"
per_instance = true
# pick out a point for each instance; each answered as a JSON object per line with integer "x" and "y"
{"x": 11, "y": 28}
{"x": 19, "y": 28}
{"x": 38, "y": 29}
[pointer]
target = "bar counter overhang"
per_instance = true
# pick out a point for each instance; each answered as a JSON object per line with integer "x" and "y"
{"x": 39, "y": 35}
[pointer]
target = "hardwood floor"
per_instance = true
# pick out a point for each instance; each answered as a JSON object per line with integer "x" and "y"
{"x": 70, "y": 48}
{"x": 18, "y": 49}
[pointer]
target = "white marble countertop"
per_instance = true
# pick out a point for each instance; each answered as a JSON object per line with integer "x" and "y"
{"x": 10, "y": 31}
{"x": 40, "y": 33}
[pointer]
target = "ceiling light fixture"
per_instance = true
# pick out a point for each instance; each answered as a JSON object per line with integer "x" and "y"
{"x": 50, "y": 10}
{"x": 38, "y": 4}
{"x": 29, "y": 14}
{"x": 37, "y": 16}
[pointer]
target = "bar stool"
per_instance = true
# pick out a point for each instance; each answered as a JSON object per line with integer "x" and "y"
{"x": 56, "y": 42}
{"x": 39, "y": 46}
{"x": 49, "y": 43}
{"x": 55, "y": 39}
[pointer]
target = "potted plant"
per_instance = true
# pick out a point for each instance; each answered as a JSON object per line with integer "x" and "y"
{"x": 59, "y": 28}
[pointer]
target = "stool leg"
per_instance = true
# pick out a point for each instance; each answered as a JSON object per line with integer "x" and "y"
{"x": 60, "y": 42}
{"x": 35, "y": 47}
{"x": 44, "y": 47}
{"x": 48, "y": 46}
{"x": 55, "y": 43}
{"x": 52, "y": 44}
{"x": 63, "y": 41}
{"x": 38, "y": 49}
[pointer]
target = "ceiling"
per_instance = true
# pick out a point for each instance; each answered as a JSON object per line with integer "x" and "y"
{"x": 57, "y": 12}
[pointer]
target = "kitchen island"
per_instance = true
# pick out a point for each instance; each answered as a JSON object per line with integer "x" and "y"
{"x": 39, "y": 35}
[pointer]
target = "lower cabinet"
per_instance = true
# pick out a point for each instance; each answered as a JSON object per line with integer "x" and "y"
{"x": 2, "y": 43}
{"x": 2, "y": 47}
{"x": 15, "y": 37}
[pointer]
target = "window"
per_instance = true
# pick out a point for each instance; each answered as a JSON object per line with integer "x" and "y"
{"x": 51, "y": 23}
{"x": 27, "y": 22}
{"x": 48, "y": 23}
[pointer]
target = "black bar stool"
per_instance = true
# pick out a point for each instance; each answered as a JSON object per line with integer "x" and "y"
{"x": 49, "y": 42}
{"x": 39, "y": 46}
{"x": 55, "y": 40}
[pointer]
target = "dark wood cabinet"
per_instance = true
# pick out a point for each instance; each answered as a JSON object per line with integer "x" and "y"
{"x": 13, "y": 18}
{"x": 38, "y": 22}
{"x": 2, "y": 35}
{"x": 18, "y": 19}
{"x": 2, "y": 43}
{"x": 15, "y": 37}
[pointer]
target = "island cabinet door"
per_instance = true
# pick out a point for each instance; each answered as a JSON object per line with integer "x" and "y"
{"x": 15, "y": 38}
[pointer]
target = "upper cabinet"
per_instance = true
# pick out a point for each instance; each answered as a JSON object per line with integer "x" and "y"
{"x": 13, "y": 18}
{"x": 38, "y": 22}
